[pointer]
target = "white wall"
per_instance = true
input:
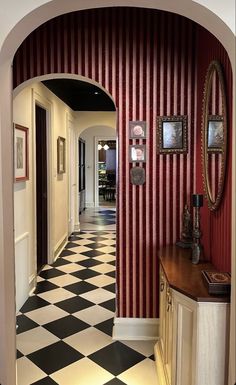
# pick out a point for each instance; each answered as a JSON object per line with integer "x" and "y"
{"x": 93, "y": 125}
{"x": 24, "y": 192}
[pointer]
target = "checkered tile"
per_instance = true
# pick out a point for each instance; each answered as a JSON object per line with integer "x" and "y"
{"x": 64, "y": 333}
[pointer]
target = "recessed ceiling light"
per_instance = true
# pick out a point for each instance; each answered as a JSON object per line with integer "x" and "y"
{"x": 96, "y": 93}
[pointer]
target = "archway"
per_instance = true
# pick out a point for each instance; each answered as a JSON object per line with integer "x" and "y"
{"x": 5, "y": 77}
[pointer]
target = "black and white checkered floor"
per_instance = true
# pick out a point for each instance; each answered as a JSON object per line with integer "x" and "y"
{"x": 64, "y": 329}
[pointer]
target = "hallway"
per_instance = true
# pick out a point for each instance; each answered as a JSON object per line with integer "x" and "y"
{"x": 64, "y": 329}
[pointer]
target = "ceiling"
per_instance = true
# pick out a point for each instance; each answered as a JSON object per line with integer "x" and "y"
{"x": 80, "y": 95}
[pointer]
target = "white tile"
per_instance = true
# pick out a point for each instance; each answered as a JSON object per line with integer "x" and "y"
{"x": 142, "y": 373}
{"x": 70, "y": 268}
{"x": 76, "y": 258}
{"x": 83, "y": 242}
{"x": 103, "y": 268}
{"x": 46, "y": 314}
{"x": 86, "y": 236}
{"x": 109, "y": 242}
{"x": 27, "y": 372}
{"x": 107, "y": 249}
{"x": 47, "y": 267}
{"x": 80, "y": 249}
{"x": 88, "y": 341}
{"x": 144, "y": 347}
{"x": 64, "y": 280}
{"x": 98, "y": 295}
{"x": 56, "y": 295}
{"x": 34, "y": 339}
{"x": 101, "y": 280}
{"x": 40, "y": 279}
{"x": 111, "y": 235}
{"x": 105, "y": 257}
{"x": 94, "y": 315}
{"x": 83, "y": 372}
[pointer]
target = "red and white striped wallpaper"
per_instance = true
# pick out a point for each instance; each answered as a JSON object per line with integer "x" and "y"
{"x": 147, "y": 60}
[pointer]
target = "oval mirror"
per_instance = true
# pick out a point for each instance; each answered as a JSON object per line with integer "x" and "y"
{"x": 214, "y": 135}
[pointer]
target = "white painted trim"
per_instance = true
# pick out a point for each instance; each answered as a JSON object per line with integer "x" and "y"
{"x": 77, "y": 226}
{"x": 32, "y": 284}
{"x": 21, "y": 237}
{"x": 162, "y": 380}
{"x": 45, "y": 103}
{"x": 135, "y": 329}
{"x": 96, "y": 140}
{"x": 59, "y": 246}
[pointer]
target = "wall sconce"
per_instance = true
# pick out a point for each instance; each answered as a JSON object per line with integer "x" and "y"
{"x": 105, "y": 147}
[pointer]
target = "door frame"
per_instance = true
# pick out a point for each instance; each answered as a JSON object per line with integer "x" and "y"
{"x": 45, "y": 104}
{"x": 72, "y": 166}
{"x": 96, "y": 140}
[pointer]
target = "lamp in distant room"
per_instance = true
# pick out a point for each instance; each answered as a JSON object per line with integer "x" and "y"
{"x": 197, "y": 250}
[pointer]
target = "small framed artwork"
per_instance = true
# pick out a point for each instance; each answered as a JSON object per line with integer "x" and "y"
{"x": 172, "y": 134}
{"x": 21, "y": 153}
{"x": 137, "y": 129}
{"x": 215, "y": 133}
{"x": 137, "y": 153}
{"x": 61, "y": 155}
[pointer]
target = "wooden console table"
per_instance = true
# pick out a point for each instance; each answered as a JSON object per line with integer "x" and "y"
{"x": 193, "y": 344}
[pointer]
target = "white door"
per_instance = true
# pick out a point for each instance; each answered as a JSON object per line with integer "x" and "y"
{"x": 72, "y": 179}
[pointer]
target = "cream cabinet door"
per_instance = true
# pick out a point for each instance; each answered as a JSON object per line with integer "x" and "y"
{"x": 184, "y": 339}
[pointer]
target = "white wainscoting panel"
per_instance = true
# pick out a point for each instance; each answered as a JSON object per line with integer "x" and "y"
{"x": 22, "y": 269}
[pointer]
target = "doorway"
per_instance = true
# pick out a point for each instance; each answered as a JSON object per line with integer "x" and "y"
{"x": 41, "y": 186}
{"x": 106, "y": 172}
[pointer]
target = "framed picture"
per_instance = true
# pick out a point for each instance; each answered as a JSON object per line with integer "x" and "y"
{"x": 137, "y": 130}
{"x": 61, "y": 155}
{"x": 21, "y": 153}
{"x": 215, "y": 133}
{"x": 137, "y": 153}
{"x": 172, "y": 134}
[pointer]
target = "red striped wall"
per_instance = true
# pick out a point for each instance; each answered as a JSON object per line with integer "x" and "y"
{"x": 146, "y": 60}
{"x": 216, "y": 225}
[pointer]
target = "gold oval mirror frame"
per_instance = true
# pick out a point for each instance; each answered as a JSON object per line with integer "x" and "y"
{"x": 214, "y": 135}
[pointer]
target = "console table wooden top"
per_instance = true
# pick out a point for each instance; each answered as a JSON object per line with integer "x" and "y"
{"x": 185, "y": 277}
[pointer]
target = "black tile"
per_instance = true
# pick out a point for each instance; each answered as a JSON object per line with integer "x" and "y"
{"x": 80, "y": 287}
{"x": 115, "y": 381}
{"x": 24, "y": 324}
{"x": 113, "y": 253}
{"x": 152, "y": 357}
{"x": 33, "y": 303}
{"x": 101, "y": 222}
{"x": 74, "y": 238}
{"x": 70, "y": 245}
{"x": 74, "y": 304}
{"x": 19, "y": 354}
{"x": 45, "y": 381}
{"x": 112, "y": 274}
{"x": 111, "y": 287}
{"x": 98, "y": 239}
{"x": 85, "y": 274}
{"x": 104, "y": 212}
{"x": 89, "y": 263}
{"x": 106, "y": 326}
{"x": 116, "y": 358}
{"x": 51, "y": 273}
{"x": 113, "y": 263}
{"x": 92, "y": 253}
{"x": 54, "y": 357}
{"x": 60, "y": 262}
{"x": 44, "y": 286}
{"x": 95, "y": 245}
{"x": 110, "y": 305}
{"x": 66, "y": 253}
{"x": 66, "y": 326}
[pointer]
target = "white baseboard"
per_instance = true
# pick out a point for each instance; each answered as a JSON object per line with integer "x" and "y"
{"x": 135, "y": 329}
{"x": 77, "y": 227}
{"x": 89, "y": 204}
{"x": 32, "y": 283}
{"x": 60, "y": 246}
